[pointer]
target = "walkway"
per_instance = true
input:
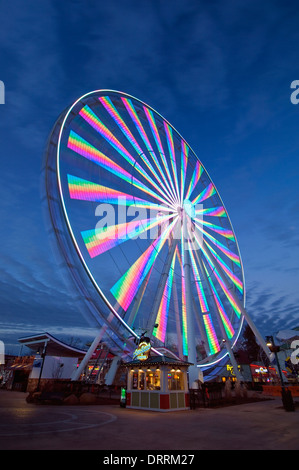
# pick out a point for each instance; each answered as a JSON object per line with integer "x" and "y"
{"x": 264, "y": 425}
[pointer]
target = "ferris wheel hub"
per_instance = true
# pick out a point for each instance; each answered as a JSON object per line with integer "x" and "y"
{"x": 189, "y": 208}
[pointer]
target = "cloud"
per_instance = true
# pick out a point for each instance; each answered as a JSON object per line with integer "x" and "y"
{"x": 271, "y": 310}
{"x": 219, "y": 73}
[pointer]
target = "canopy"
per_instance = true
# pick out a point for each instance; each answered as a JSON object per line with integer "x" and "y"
{"x": 287, "y": 335}
{"x": 55, "y": 347}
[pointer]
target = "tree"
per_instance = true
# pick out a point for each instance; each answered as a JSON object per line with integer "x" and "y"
{"x": 250, "y": 346}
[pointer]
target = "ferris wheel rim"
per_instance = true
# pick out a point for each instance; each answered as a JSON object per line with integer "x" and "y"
{"x": 70, "y": 230}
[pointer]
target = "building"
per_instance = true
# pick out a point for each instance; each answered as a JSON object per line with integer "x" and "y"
{"x": 51, "y": 360}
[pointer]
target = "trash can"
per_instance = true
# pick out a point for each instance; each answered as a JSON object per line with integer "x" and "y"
{"x": 123, "y": 397}
{"x": 287, "y": 400}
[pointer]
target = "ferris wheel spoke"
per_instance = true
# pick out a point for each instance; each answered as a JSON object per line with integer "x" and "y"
{"x": 156, "y": 136}
{"x": 198, "y": 283}
{"x": 184, "y": 299}
{"x": 207, "y": 318}
{"x": 100, "y": 240}
{"x": 224, "y": 321}
{"x": 138, "y": 299}
{"x": 205, "y": 194}
{"x": 222, "y": 284}
{"x": 170, "y": 144}
{"x": 212, "y": 339}
{"x": 89, "y": 116}
{"x": 224, "y": 318}
{"x": 81, "y": 147}
{"x": 107, "y": 103}
{"x": 238, "y": 283}
{"x": 125, "y": 289}
{"x": 134, "y": 116}
{"x": 194, "y": 180}
{"x": 218, "y": 229}
{"x": 212, "y": 211}
{"x": 161, "y": 303}
{"x": 85, "y": 190}
{"x": 162, "y": 315}
{"x": 184, "y": 162}
{"x": 230, "y": 254}
{"x": 221, "y": 281}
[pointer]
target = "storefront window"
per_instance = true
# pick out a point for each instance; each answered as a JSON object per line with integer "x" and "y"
{"x": 153, "y": 379}
{"x": 175, "y": 380}
{"x": 134, "y": 380}
{"x": 141, "y": 379}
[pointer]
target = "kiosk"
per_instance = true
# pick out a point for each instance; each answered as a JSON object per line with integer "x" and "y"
{"x": 157, "y": 383}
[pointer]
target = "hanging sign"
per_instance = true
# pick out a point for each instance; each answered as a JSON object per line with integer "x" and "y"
{"x": 142, "y": 352}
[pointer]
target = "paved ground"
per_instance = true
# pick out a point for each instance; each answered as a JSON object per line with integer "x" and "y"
{"x": 263, "y": 425}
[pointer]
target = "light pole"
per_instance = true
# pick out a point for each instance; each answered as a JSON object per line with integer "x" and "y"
{"x": 273, "y": 348}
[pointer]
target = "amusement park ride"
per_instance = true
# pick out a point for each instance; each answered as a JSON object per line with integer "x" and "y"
{"x": 144, "y": 234}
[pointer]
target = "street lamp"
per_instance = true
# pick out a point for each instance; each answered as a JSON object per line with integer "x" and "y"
{"x": 275, "y": 349}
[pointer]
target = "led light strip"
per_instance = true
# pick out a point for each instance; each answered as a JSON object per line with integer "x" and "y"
{"x": 99, "y": 241}
{"x": 83, "y": 148}
{"x": 205, "y": 194}
{"x": 106, "y": 102}
{"x": 225, "y": 320}
{"x": 156, "y": 136}
{"x": 134, "y": 116}
{"x": 162, "y": 316}
{"x": 89, "y": 116}
{"x": 194, "y": 180}
{"x": 125, "y": 289}
{"x": 184, "y": 161}
{"x": 211, "y": 334}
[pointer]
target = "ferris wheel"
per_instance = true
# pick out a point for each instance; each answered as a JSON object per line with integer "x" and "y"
{"x": 143, "y": 231}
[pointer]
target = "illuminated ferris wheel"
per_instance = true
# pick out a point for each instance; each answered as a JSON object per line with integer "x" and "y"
{"x": 143, "y": 231}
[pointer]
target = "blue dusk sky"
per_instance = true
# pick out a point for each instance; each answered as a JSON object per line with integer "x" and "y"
{"x": 219, "y": 71}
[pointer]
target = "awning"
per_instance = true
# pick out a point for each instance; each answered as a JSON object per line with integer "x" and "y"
{"x": 55, "y": 347}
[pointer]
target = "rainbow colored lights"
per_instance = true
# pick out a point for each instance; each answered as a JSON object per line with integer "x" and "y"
{"x": 126, "y": 288}
{"x": 162, "y": 316}
{"x": 211, "y": 334}
{"x": 121, "y": 152}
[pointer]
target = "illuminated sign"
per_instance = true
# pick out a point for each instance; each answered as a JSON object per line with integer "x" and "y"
{"x": 261, "y": 370}
{"x": 230, "y": 369}
{"x": 142, "y": 352}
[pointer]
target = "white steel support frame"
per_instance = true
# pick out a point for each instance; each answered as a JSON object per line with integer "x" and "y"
{"x": 201, "y": 327}
{"x": 83, "y": 364}
{"x": 177, "y": 318}
{"x": 193, "y": 370}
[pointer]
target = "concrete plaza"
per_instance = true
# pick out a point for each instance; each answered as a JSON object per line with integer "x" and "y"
{"x": 262, "y": 425}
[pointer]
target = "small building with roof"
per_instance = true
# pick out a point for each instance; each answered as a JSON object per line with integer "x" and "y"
{"x": 157, "y": 383}
{"x": 52, "y": 359}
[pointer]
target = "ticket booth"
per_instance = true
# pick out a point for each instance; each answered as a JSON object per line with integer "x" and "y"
{"x": 157, "y": 383}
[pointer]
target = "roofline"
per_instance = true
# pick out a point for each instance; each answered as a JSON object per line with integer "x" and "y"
{"x": 43, "y": 337}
